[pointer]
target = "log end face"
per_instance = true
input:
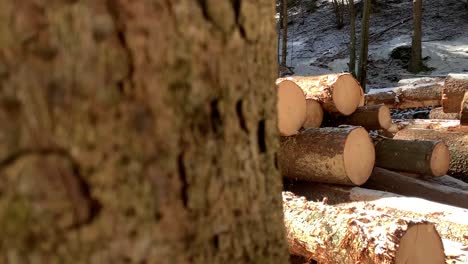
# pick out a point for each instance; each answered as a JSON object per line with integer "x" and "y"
{"x": 291, "y": 108}
{"x": 421, "y": 244}
{"x": 359, "y": 156}
{"x": 314, "y": 114}
{"x": 347, "y": 94}
{"x": 440, "y": 159}
{"x": 385, "y": 117}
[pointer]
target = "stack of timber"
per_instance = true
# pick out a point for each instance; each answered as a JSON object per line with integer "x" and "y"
{"x": 454, "y": 89}
{"x": 438, "y": 113}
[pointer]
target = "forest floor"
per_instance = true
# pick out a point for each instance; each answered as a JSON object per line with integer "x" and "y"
{"x": 316, "y": 46}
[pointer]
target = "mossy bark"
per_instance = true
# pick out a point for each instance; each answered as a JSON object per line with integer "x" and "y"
{"x": 139, "y": 132}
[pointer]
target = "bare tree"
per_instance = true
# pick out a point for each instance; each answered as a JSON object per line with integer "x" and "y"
{"x": 416, "y": 64}
{"x": 284, "y": 51}
{"x": 362, "y": 70}
{"x": 352, "y": 36}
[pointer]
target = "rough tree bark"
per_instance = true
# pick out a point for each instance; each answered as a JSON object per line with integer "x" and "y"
{"x": 416, "y": 64}
{"x": 139, "y": 132}
{"x": 284, "y": 49}
{"x": 362, "y": 70}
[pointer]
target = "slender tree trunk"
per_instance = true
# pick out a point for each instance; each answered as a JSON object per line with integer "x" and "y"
{"x": 416, "y": 50}
{"x": 362, "y": 70}
{"x": 352, "y": 46}
{"x": 284, "y": 52}
{"x": 119, "y": 142}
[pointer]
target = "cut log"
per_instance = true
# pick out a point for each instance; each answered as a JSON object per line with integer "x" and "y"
{"x": 358, "y": 233}
{"x": 464, "y": 110}
{"x": 370, "y": 117}
{"x": 420, "y": 80}
{"x": 336, "y": 92}
{"x": 424, "y": 157}
{"x": 410, "y": 96}
{"x": 332, "y": 155}
{"x": 389, "y": 181}
{"x": 291, "y": 108}
{"x": 438, "y": 113}
{"x": 456, "y": 141}
{"x": 314, "y": 115}
{"x": 442, "y": 124}
{"x": 454, "y": 89}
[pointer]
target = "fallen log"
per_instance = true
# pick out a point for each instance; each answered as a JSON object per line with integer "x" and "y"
{"x": 446, "y": 180}
{"x": 291, "y": 108}
{"x": 336, "y": 92}
{"x": 332, "y": 155}
{"x": 438, "y": 113}
{"x": 419, "y": 80}
{"x": 389, "y": 181}
{"x": 358, "y": 233}
{"x": 464, "y": 110}
{"x": 370, "y": 117}
{"x": 423, "y": 157}
{"x": 314, "y": 116}
{"x": 457, "y": 142}
{"x": 410, "y": 96}
{"x": 454, "y": 89}
{"x": 442, "y": 124}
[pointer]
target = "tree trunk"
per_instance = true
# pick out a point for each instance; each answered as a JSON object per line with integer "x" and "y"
{"x": 284, "y": 51}
{"x": 314, "y": 114}
{"x": 362, "y": 70}
{"x": 456, "y": 141}
{"x": 416, "y": 64}
{"x": 126, "y": 137}
{"x": 339, "y": 93}
{"x": 438, "y": 113}
{"x": 352, "y": 37}
{"x": 389, "y": 181}
{"x": 370, "y": 117}
{"x": 439, "y": 124}
{"x": 357, "y": 233}
{"x": 464, "y": 110}
{"x": 423, "y": 157}
{"x": 334, "y": 155}
{"x": 454, "y": 89}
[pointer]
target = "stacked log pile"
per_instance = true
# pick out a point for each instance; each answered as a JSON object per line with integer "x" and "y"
{"x": 331, "y": 140}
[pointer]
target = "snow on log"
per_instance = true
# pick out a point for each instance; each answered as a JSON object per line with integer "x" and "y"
{"x": 291, "y": 108}
{"x": 370, "y": 117}
{"x": 333, "y": 155}
{"x": 424, "y": 157}
{"x": 389, "y": 181}
{"x": 464, "y": 110}
{"x": 410, "y": 96}
{"x": 420, "y": 80}
{"x": 438, "y": 113}
{"x": 442, "y": 124}
{"x": 358, "y": 233}
{"x": 314, "y": 116}
{"x": 336, "y": 92}
{"x": 454, "y": 89}
{"x": 457, "y": 142}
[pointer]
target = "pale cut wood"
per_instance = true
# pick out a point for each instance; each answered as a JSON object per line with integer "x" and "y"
{"x": 314, "y": 114}
{"x": 410, "y": 96}
{"x": 438, "y": 113}
{"x": 336, "y": 92}
{"x": 464, "y": 110}
{"x": 454, "y": 89}
{"x": 291, "y": 108}
{"x": 389, "y": 181}
{"x": 370, "y": 117}
{"x": 333, "y": 155}
{"x": 442, "y": 124}
{"x": 424, "y": 157}
{"x": 358, "y": 233}
{"x": 457, "y": 141}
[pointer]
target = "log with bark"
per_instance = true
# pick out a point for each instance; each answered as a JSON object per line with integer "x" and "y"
{"x": 334, "y": 155}
{"x": 291, "y": 107}
{"x": 442, "y": 124}
{"x": 464, "y": 110}
{"x": 389, "y": 181}
{"x": 438, "y": 113}
{"x": 336, "y": 92}
{"x": 424, "y": 157}
{"x": 454, "y": 89}
{"x": 358, "y": 233}
{"x": 419, "y": 80}
{"x": 409, "y": 96}
{"x": 370, "y": 117}
{"x": 457, "y": 141}
{"x": 314, "y": 114}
